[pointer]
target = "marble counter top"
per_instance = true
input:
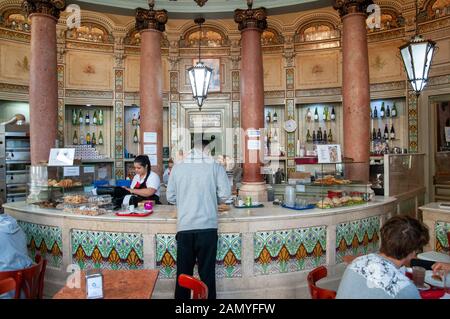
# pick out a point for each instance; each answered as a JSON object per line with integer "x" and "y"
{"x": 434, "y": 207}
{"x": 167, "y": 213}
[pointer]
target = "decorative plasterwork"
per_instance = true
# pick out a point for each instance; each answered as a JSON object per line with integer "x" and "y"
{"x": 151, "y": 19}
{"x": 345, "y": 7}
{"x": 251, "y": 18}
{"x": 50, "y": 7}
{"x": 210, "y": 37}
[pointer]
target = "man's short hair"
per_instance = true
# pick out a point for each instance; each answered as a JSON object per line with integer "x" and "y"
{"x": 402, "y": 235}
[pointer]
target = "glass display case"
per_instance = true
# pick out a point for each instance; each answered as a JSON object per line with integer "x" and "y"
{"x": 324, "y": 186}
{"x": 396, "y": 174}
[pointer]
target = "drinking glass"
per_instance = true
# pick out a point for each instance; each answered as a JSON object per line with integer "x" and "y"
{"x": 418, "y": 276}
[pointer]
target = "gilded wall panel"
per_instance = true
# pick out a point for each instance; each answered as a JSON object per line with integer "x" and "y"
{"x": 132, "y": 73}
{"x": 132, "y": 64}
{"x": 90, "y": 71}
{"x": 318, "y": 69}
{"x": 385, "y": 64}
{"x": 273, "y": 73}
{"x": 15, "y": 63}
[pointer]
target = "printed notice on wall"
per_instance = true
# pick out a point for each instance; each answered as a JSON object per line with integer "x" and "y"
{"x": 72, "y": 171}
{"x": 153, "y": 160}
{"x": 150, "y": 137}
{"x": 330, "y": 153}
{"x": 61, "y": 157}
{"x": 89, "y": 169}
{"x": 253, "y": 144}
{"x": 254, "y": 133}
{"x": 447, "y": 134}
{"x": 150, "y": 149}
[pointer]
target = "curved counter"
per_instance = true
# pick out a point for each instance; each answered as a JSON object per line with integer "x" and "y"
{"x": 262, "y": 252}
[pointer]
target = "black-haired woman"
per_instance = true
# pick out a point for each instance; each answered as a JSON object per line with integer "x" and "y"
{"x": 145, "y": 184}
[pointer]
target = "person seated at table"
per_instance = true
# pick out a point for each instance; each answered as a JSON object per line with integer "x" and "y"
{"x": 145, "y": 184}
{"x": 13, "y": 248}
{"x": 379, "y": 275}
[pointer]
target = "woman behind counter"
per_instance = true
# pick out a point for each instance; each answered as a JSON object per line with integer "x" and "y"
{"x": 145, "y": 184}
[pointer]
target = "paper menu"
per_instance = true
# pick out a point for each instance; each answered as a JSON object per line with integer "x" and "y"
{"x": 150, "y": 137}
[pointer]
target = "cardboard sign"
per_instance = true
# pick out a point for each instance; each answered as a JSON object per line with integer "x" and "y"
{"x": 61, "y": 157}
{"x": 329, "y": 153}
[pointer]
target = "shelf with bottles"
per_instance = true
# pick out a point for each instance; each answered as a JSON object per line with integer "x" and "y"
{"x": 274, "y": 136}
{"x": 132, "y": 118}
{"x": 89, "y": 126}
{"x": 317, "y": 122}
{"x": 388, "y": 124}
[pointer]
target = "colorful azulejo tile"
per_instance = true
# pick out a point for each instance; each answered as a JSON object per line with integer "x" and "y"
{"x": 357, "y": 237}
{"x": 228, "y": 258}
{"x": 45, "y": 241}
{"x": 106, "y": 250}
{"x": 289, "y": 250}
{"x": 441, "y": 229}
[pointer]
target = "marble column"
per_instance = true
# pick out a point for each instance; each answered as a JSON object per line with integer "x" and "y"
{"x": 251, "y": 24}
{"x": 151, "y": 24}
{"x": 355, "y": 86}
{"x": 43, "y": 89}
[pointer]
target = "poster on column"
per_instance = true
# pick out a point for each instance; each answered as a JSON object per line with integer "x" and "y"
{"x": 150, "y": 137}
{"x": 153, "y": 160}
{"x": 150, "y": 149}
{"x": 330, "y": 153}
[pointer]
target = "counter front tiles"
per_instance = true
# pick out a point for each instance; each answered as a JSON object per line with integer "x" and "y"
{"x": 257, "y": 248}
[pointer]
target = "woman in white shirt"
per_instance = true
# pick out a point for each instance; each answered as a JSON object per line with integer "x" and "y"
{"x": 145, "y": 184}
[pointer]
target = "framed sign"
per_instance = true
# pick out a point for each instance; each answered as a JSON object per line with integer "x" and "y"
{"x": 214, "y": 85}
{"x": 330, "y": 153}
{"x": 205, "y": 120}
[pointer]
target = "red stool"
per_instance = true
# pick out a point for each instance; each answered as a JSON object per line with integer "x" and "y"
{"x": 198, "y": 287}
{"x": 316, "y": 292}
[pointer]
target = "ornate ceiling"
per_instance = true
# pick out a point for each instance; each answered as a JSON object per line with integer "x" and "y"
{"x": 208, "y": 8}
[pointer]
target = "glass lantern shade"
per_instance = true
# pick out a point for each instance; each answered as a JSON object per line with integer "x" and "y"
{"x": 200, "y": 77}
{"x": 417, "y": 55}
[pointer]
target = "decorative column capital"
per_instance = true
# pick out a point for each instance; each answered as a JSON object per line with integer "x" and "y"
{"x": 345, "y": 7}
{"x": 49, "y": 7}
{"x": 151, "y": 19}
{"x": 251, "y": 18}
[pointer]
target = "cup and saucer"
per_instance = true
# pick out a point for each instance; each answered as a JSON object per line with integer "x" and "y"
{"x": 424, "y": 287}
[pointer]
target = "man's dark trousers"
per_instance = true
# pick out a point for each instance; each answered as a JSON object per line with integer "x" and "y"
{"x": 201, "y": 246}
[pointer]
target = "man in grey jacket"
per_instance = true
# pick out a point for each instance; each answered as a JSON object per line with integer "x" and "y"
{"x": 196, "y": 185}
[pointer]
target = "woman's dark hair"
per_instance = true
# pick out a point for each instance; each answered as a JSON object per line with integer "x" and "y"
{"x": 402, "y": 235}
{"x": 144, "y": 161}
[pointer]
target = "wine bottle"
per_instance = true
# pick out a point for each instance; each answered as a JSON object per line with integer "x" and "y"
{"x": 382, "y": 111}
{"x": 333, "y": 116}
{"x": 94, "y": 140}
{"x": 275, "y": 117}
{"x": 135, "y": 136}
{"x": 308, "y": 137}
{"x": 275, "y": 136}
{"x": 268, "y": 117}
{"x": 379, "y": 134}
{"x": 392, "y": 134}
{"x": 316, "y": 115}
{"x": 134, "y": 120}
{"x": 388, "y": 111}
{"x": 386, "y": 132}
{"x": 80, "y": 118}
{"x": 325, "y": 113}
{"x": 100, "y": 138}
{"x": 88, "y": 138}
{"x": 375, "y": 112}
{"x": 74, "y": 117}
{"x": 314, "y": 137}
{"x": 325, "y": 136}
{"x": 394, "y": 111}
{"x": 319, "y": 135}
{"x": 82, "y": 139}
{"x": 139, "y": 118}
{"x": 75, "y": 138}
{"x": 87, "y": 120}
{"x": 371, "y": 114}
{"x": 330, "y": 136}
{"x": 309, "y": 115}
{"x": 100, "y": 117}
{"x": 94, "y": 119}
{"x": 374, "y": 134}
